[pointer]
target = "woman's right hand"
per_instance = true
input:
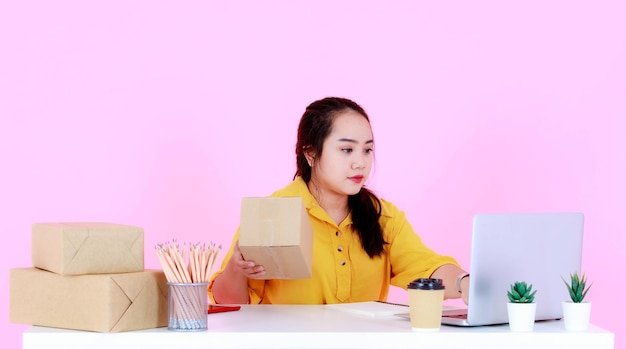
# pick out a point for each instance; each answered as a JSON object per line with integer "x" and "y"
{"x": 231, "y": 286}
{"x": 248, "y": 268}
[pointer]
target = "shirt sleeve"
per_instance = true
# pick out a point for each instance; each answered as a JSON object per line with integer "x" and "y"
{"x": 409, "y": 257}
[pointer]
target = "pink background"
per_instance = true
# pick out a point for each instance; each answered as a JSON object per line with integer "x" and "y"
{"x": 164, "y": 115}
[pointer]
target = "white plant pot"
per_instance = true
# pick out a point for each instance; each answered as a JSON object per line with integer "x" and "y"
{"x": 521, "y": 316}
{"x": 576, "y": 315}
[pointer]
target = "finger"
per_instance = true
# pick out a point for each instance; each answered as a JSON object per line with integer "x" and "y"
{"x": 253, "y": 271}
{"x": 246, "y": 264}
{"x": 256, "y": 272}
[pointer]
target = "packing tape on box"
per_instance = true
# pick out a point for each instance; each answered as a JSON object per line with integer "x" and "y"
{"x": 279, "y": 272}
{"x": 269, "y": 232}
{"x": 270, "y": 214}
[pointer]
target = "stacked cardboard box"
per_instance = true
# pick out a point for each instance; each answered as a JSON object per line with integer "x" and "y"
{"x": 88, "y": 276}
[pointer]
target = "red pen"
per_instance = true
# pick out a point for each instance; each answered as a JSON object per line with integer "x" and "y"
{"x": 217, "y": 308}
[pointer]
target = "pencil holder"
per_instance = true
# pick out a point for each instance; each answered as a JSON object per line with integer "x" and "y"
{"x": 187, "y": 306}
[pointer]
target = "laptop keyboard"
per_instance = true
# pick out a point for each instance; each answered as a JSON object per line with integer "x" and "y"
{"x": 457, "y": 316}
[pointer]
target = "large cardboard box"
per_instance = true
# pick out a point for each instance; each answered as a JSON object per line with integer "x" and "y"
{"x": 276, "y": 232}
{"x": 87, "y": 248}
{"x": 100, "y": 303}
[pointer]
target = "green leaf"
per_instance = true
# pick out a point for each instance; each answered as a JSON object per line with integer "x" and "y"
{"x": 511, "y": 297}
{"x": 584, "y": 294}
{"x": 531, "y": 298}
{"x": 516, "y": 294}
{"x": 575, "y": 282}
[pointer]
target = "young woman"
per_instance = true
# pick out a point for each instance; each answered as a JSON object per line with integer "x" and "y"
{"x": 362, "y": 243}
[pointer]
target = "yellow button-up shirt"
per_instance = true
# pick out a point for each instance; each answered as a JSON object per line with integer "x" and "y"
{"x": 342, "y": 270}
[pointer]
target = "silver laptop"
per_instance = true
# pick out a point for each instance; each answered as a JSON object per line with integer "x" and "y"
{"x": 538, "y": 248}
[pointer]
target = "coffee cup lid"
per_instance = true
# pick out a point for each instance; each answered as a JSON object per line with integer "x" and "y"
{"x": 426, "y": 284}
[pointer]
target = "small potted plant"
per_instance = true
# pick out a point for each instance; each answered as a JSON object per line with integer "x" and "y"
{"x": 521, "y": 307}
{"x": 577, "y": 311}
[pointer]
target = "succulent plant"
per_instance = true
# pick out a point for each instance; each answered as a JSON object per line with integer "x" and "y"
{"x": 577, "y": 287}
{"x": 521, "y": 292}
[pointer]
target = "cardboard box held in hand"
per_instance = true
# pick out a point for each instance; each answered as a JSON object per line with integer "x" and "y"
{"x": 87, "y": 248}
{"x": 97, "y": 302}
{"x": 276, "y": 233}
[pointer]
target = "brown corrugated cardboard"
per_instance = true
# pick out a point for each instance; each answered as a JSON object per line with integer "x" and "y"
{"x": 100, "y": 303}
{"x": 276, "y": 232}
{"x": 87, "y": 248}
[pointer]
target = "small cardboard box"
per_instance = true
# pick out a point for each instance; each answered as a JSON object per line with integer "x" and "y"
{"x": 276, "y": 233}
{"x": 87, "y": 248}
{"x": 98, "y": 302}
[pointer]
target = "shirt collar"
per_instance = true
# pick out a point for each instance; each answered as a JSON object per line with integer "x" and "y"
{"x": 299, "y": 188}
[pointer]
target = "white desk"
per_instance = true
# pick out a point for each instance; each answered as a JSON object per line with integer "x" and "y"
{"x": 313, "y": 326}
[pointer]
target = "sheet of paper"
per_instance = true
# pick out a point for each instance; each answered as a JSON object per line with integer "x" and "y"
{"x": 373, "y": 309}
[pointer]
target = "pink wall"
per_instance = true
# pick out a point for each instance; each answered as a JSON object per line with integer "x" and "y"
{"x": 165, "y": 115}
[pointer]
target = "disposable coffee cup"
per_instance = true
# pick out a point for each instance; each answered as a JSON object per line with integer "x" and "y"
{"x": 426, "y": 304}
{"x": 187, "y": 305}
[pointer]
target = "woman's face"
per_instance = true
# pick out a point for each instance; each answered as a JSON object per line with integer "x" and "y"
{"x": 346, "y": 160}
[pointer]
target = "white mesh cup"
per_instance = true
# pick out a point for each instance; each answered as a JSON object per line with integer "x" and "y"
{"x": 187, "y": 306}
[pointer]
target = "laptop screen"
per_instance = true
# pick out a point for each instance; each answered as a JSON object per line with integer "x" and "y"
{"x": 538, "y": 248}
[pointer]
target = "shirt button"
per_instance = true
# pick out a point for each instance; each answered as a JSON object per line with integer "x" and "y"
{"x": 340, "y": 249}
{"x": 342, "y": 262}
{"x": 337, "y": 233}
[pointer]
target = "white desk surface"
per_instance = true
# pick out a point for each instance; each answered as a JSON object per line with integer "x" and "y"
{"x": 314, "y": 326}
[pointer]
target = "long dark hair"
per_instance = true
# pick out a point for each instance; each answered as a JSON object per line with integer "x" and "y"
{"x": 315, "y": 125}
